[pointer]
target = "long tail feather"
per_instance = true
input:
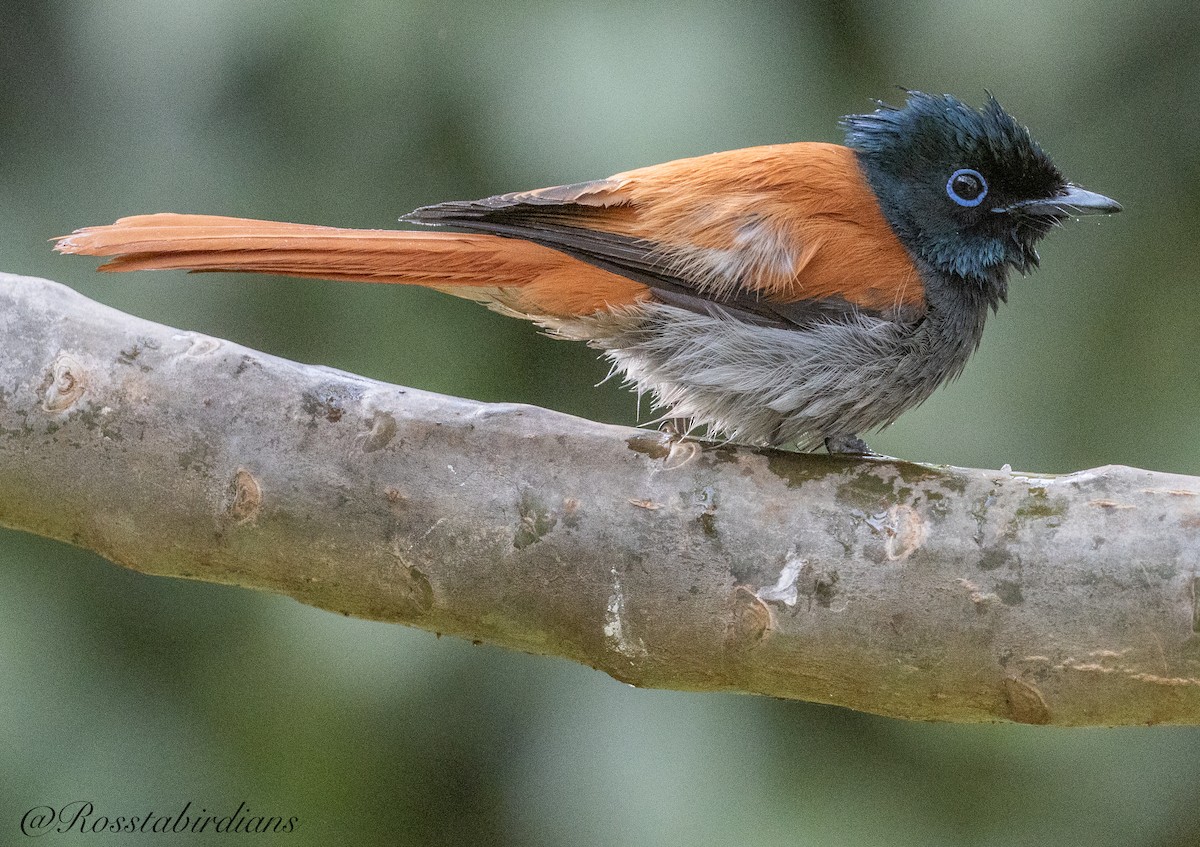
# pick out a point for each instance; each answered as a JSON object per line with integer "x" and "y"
{"x": 211, "y": 243}
{"x": 513, "y": 274}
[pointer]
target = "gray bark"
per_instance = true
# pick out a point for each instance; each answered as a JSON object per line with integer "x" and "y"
{"x": 907, "y": 590}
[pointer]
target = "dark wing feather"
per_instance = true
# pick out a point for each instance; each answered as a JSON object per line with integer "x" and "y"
{"x": 570, "y": 219}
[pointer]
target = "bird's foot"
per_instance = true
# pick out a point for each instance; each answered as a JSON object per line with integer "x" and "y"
{"x": 675, "y": 428}
{"x": 850, "y": 445}
{"x": 682, "y": 448}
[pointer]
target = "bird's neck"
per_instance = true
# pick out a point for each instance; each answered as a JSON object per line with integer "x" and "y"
{"x": 956, "y": 314}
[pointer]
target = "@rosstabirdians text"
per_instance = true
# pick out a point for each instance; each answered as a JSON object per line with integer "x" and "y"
{"x": 85, "y": 816}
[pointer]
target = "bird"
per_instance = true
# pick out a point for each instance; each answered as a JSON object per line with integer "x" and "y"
{"x": 796, "y": 294}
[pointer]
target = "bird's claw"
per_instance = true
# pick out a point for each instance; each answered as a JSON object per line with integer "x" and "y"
{"x": 849, "y": 445}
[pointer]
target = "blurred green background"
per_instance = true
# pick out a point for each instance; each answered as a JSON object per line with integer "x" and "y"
{"x": 141, "y": 693}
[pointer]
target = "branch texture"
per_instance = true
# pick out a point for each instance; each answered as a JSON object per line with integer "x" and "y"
{"x": 907, "y": 590}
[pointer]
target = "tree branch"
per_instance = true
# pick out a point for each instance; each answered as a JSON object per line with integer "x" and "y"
{"x": 908, "y": 590}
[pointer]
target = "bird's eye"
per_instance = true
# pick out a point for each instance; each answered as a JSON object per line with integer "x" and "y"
{"x": 967, "y": 187}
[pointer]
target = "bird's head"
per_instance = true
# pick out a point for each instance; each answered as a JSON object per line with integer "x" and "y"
{"x": 966, "y": 190}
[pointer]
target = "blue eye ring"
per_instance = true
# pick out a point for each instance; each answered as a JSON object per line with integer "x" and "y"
{"x": 975, "y": 176}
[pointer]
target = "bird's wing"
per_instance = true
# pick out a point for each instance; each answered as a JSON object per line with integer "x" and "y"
{"x": 780, "y": 235}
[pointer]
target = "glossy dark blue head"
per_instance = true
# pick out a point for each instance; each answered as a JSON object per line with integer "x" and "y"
{"x": 966, "y": 190}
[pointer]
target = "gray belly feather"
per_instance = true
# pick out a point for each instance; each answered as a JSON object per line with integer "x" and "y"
{"x": 766, "y": 385}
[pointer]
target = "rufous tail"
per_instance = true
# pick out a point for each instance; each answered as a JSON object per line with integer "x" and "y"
{"x": 211, "y": 243}
{"x": 512, "y": 273}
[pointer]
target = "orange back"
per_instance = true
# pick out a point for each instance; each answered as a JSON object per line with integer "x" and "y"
{"x": 808, "y": 198}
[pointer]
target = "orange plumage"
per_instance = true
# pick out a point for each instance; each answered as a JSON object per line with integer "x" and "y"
{"x": 785, "y": 223}
{"x": 808, "y": 198}
{"x": 464, "y": 263}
